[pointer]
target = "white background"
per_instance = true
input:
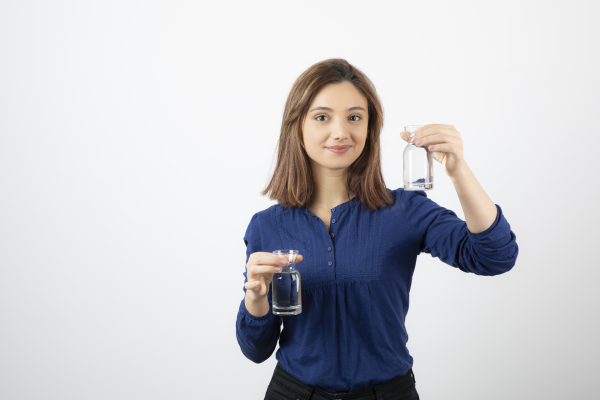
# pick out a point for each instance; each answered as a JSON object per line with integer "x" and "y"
{"x": 135, "y": 138}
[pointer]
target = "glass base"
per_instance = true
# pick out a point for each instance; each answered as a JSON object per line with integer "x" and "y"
{"x": 418, "y": 186}
{"x": 294, "y": 310}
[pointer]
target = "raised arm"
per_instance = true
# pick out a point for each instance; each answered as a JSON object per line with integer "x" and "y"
{"x": 484, "y": 244}
{"x": 442, "y": 234}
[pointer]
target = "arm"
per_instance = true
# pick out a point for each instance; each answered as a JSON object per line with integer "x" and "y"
{"x": 479, "y": 209}
{"x": 446, "y": 145}
{"x": 257, "y": 328}
{"x": 442, "y": 234}
{"x": 484, "y": 245}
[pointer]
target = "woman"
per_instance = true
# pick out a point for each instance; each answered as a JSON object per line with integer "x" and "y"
{"x": 359, "y": 243}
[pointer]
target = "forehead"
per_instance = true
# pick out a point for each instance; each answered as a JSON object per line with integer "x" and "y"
{"x": 340, "y": 95}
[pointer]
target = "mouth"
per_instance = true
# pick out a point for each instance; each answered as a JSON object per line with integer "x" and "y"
{"x": 338, "y": 149}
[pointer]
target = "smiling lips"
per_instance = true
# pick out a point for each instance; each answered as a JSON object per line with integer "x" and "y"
{"x": 339, "y": 149}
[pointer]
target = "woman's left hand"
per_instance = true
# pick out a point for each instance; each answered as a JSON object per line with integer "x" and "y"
{"x": 444, "y": 142}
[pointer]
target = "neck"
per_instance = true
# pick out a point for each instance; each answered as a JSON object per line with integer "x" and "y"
{"x": 330, "y": 187}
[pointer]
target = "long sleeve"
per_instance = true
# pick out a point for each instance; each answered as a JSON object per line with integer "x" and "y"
{"x": 444, "y": 235}
{"x": 257, "y": 336}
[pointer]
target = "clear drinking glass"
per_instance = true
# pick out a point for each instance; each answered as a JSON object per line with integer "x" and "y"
{"x": 286, "y": 290}
{"x": 418, "y": 164}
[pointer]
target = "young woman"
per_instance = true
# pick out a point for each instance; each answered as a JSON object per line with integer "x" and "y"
{"x": 358, "y": 242}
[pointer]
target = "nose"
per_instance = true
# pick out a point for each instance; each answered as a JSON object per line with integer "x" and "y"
{"x": 340, "y": 130}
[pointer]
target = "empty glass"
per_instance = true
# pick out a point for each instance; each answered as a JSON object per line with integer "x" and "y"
{"x": 286, "y": 290}
{"x": 418, "y": 164}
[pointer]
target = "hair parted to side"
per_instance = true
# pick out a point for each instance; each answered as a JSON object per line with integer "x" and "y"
{"x": 292, "y": 183}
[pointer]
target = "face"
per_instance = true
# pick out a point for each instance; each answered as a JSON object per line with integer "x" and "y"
{"x": 335, "y": 128}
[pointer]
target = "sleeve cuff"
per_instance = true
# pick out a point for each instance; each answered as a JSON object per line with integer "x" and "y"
{"x": 244, "y": 311}
{"x": 499, "y": 227}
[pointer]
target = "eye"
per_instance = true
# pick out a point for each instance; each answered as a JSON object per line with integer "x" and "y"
{"x": 324, "y": 116}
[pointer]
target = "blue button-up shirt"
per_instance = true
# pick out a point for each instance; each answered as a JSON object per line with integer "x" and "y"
{"x": 351, "y": 335}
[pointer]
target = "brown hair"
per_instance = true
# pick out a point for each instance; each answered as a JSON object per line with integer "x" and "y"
{"x": 292, "y": 182}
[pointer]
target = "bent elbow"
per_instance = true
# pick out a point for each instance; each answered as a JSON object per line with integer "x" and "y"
{"x": 488, "y": 267}
{"x": 499, "y": 270}
{"x": 251, "y": 352}
{"x": 500, "y": 267}
{"x": 256, "y": 358}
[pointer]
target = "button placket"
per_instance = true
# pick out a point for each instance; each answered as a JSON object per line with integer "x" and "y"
{"x": 332, "y": 234}
{"x": 330, "y": 249}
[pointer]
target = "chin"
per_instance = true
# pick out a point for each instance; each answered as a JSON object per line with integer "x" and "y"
{"x": 336, "y": 165}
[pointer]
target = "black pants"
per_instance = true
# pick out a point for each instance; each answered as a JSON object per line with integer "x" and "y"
{"x": 284, "y": 386}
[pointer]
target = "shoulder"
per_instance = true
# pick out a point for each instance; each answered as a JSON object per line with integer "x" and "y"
{"x": 257, "y": 224}
{"x": 406, "y": 197}
{"x": 265, "y": 224}
{"x": 268, "y": 213}
{"x": 410, "y": 205}
{"x": 266, "y": 217}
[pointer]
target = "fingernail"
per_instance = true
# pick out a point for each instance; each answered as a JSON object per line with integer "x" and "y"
{"x": 277, "y": 269}
{"x": 419, "y": 142}
{"x": 283, "y": 262}
{"x": 256, "y": 283}
{"x": 412, "y": 134}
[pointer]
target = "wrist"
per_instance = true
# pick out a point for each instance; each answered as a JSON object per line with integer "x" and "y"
{"x": 254, "y": 297}
{"x": 256, "y": 305}
{"x": 460, "y": 173}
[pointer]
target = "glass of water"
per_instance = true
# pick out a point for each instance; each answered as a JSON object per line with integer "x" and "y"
{"x": 418, "y": 165}
{"x": 286, "y": 290}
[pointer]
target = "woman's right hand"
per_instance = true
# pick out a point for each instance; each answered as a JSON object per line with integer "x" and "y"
{"x": 260, "y": 269}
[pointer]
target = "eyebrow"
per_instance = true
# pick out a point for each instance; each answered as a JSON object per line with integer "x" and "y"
{"x": 329, "y": 109}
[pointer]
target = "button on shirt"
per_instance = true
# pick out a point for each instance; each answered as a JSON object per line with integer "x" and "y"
{"x": 350, "y": 335}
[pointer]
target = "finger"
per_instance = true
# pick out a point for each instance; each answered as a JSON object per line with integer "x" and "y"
{"x": 404, "y": 136}
{"x": 264, "y": 258}
{"x": 434, "y": 126}
{"x": 445, "y": 148}
{"x": 252, "y": 285}
{"x": 425, "y": 128}
{"x": 255, "y": 270}
{"x": 424, "y": 132}
{"x": 260, "y": 287}
{"x": 300, "y": 258}
{"x": 437, "y": 138}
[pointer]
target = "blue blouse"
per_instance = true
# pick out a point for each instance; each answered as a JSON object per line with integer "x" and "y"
{"x": 355, "y": 283}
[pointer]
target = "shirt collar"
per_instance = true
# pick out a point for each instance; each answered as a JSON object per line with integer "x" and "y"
{"x": 340, "y": 207}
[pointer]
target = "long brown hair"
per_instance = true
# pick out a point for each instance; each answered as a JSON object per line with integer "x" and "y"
{"x": 292, "y": 182}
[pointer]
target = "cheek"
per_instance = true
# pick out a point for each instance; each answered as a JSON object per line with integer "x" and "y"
{"x": 311, "y": 146}
{"x": 311, "y": 143}
{"x": 362, "y": 140}
{"x": 313, "y": 138}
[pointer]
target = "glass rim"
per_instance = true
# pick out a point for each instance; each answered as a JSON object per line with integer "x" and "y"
{"x": 412, "y": 128}
{"x": 286, "y": 252}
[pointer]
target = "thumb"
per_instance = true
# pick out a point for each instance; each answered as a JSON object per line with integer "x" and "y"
{"x": 404, "y": 136}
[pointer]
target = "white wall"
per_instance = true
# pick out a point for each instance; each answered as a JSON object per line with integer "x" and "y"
{"x": 135, "y": 137}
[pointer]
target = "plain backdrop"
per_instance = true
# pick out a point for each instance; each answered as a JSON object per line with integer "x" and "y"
{"x": 136, "y": 136}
